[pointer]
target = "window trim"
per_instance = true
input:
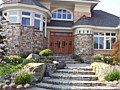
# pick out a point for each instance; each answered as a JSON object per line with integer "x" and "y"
{"x": 104, "y": 36}
{"x": 62, "y": 14}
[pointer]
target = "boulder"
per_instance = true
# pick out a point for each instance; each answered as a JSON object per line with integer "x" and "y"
{"x": 33, "y": 56}
{"x": 60, "y": 65}
{"x": 50, "y": 68}
{"x": 38, "y": 69}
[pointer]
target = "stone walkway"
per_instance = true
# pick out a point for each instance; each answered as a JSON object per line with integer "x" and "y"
{"x": 74, "y": 77}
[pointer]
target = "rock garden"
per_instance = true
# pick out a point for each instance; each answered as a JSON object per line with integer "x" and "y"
{"x": 20, "y": 72}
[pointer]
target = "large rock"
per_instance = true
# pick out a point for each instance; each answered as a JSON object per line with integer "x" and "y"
{"x": 50, "y": 68}
{"x": 33, "y": 56}
{"x": 38, "y": 69}
{"x": 101, "y": 69}
{"x": 61, "y": 65}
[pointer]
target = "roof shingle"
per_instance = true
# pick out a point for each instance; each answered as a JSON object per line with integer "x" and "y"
{"x": 99, "y": 18}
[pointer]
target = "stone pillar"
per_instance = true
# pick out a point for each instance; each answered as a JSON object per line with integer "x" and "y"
{"x": 83, "y": 43}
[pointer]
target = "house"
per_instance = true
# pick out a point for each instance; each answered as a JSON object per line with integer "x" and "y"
{"x": 64, "y": 26}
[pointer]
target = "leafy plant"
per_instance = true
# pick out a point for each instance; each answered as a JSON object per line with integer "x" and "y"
{"x": 26, "y": 61}
{"x": 78, "y": 58}
{"x": 113, "y": 75}
{"x": 107, "y": 60}
{"x": 13, "y": 59}
{"x": 8, "y": 69}
{"x": 23, "y": 78}
{"x": 97, "y": 58}
{"x": 46, "y": 52}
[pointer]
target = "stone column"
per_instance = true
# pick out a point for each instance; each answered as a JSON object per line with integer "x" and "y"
{"x": 83, "y": 43}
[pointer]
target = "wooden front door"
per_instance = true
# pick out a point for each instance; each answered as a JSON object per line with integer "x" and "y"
{"x": 61, "y": 43}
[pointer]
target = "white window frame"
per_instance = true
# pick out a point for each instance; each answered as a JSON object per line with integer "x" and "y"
{"x": 26, "y": 16}
{"x": 45, "y": 21}
{"x": 69, "y": 12}
{"x": 104, "y": 36}
{"x": 36, "y": 18}
{"x": 13, "y": 15}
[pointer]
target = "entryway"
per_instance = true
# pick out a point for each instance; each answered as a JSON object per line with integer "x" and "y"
{"x": 61, "y": 42}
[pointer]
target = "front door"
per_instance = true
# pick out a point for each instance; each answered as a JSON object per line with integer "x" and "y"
{"x": 61, "y": 43}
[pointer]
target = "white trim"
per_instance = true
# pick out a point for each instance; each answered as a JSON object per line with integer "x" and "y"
{"x": 27, "y": 6}
{"x": 67, "y": 28}
{"x": 94, "y": 27}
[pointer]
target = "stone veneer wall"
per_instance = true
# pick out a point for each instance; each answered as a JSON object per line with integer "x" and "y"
{"x": 83, "y": 45}
{"x": 23, "y": 39}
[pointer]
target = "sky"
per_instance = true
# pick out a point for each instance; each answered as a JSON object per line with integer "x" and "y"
{"x": 110, "y": 6}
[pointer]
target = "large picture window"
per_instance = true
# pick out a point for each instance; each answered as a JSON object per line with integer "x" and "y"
{"x": 37, "y": 20}
{"x": 26, "y": 18}
{"x": 61, "y": 14}
{"x": 13, "y": 16}
{"x": 103, "y": 41}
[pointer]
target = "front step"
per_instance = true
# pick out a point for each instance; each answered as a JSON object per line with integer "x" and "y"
{"x": 71, "y": 62}
{"x": 68, "y": 87}
{"x": 74, "y": 77}
{"x": 72, "y": 82}
{"x": 81, "y": 72}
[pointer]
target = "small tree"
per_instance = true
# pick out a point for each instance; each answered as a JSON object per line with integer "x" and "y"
{"x": 116, "y": 52}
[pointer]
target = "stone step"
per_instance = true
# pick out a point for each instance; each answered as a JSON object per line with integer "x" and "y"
{"x": 81, "y": 72}
{"x": 74, "y": 77}
{"x": 66, "y": 59}
{"x": 69, "y": 87}
{"x": 71, "y": 62}
{"x": 79, "y": 68}
{"x": 36, "y": 88}
{"x": 72, "y": 82}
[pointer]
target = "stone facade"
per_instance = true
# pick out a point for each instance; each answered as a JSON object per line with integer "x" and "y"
{"x": 83, "y": 45}
{"x": 78, "y": 15}
{"x": 23, "y": 39}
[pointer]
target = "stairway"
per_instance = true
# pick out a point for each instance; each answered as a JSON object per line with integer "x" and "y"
{"x": 73, "y": 77}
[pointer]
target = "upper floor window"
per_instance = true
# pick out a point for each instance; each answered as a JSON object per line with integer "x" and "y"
{"x": 13, "y": 16}
{"x": 62, "y": 14}
{"x": 26, "y": 18}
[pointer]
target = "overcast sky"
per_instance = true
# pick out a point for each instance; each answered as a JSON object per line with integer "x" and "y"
{"x": 110, "y": 6}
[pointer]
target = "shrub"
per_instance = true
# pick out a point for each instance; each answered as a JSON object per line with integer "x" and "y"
{"x": 96, "y": 58}
{"x": 26, "y": 61}
{"x": 78, "y": 58}
{"x": 113, "y": 75}
{"x": 46, "y": 52}
{"x": 107, "y": 60}
{"x": 8, "y": 69}
{"x": 13, "y": 59}
{"x": 23, "y": 78}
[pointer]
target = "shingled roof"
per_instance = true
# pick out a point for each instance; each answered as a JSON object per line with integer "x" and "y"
{"x": 28, "y": 2}
{"x": 99, "y": 18}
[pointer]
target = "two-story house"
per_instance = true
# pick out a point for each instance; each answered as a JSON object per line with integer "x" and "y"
{"x": 64, "y": 26}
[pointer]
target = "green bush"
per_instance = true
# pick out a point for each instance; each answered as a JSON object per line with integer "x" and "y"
{"x": 96, "y": 58}
{"x": 8, "y": 69}
{"x": 26, "y": 61}
{"x": 13, "y": 59}
{"x": 23, "y": 78}
{"x": 113, "y": 75}
{"x": 107, "y": 60}
{"x": 46, "y": 52}
{"x": 78, "y": 58}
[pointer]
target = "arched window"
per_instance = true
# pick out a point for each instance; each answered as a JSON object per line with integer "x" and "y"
{"x": 62, "y": 14}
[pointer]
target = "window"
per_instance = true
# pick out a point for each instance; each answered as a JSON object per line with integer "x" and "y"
{"x": 37, "y": 20}
{"x": 13, "y": 16}
{"x": 103, "y": 40}
{"x": 61, "y": 14}
{"x": 26, "y": 18}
